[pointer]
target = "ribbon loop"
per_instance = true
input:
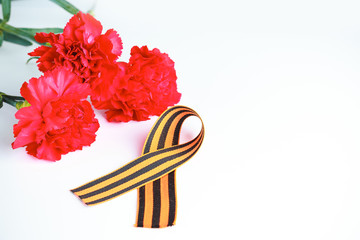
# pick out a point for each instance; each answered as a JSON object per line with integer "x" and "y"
{"x": 153, "y": 173}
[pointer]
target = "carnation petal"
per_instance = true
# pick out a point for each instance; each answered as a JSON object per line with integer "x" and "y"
{"x": 103, "y": 87}
{"x": 29, "y": 93}
{"x": 60, "y": 81}
{"x": 24, "y": 133}
{"x": 39, "y": 51}
{"x": 117, "y": 116}
{"x": 115, "y": 39}
{"x": 47, "y": 152}
{"x": 83, "y": 27}
{"x": 65, "y": 82}
{"x": 42, "y": 37}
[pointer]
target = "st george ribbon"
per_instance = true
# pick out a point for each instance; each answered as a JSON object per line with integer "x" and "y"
{"x": 153, "y": 173}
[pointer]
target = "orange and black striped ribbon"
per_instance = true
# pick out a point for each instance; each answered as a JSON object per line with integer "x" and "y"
{"x": 153, "y": 173}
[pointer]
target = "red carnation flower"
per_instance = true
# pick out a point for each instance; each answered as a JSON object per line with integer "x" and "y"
{"x": 144, "y": 87}
{"x": 59, "y": 119}
{"x": 103, "y": 88}
{"x": 81, "y": 47}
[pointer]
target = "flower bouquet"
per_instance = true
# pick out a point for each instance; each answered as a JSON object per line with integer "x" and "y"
{"x": 81, "y": 71}
{"x": 54, "y": 115}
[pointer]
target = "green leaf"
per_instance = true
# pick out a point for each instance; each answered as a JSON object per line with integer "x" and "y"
{"x": 16, "y": 39}
{"x": 31, "y": 59}
{"x": 66, "y": 5}
{"x": 33, "y": 31}
{"x": 16, "y": 31}
{"x": 6, "y": 7}
{"x": 1, "y": 37}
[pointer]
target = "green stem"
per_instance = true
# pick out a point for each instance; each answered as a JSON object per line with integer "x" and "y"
{"x": 14, "y": 101}
{"x": 9, "y": 101}
{"x": 18, "y": 98}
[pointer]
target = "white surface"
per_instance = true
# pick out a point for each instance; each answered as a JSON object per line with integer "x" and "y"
{"x": 277, "y": 85}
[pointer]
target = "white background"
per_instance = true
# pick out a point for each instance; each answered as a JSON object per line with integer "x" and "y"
{"x": 277, "y": 84}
